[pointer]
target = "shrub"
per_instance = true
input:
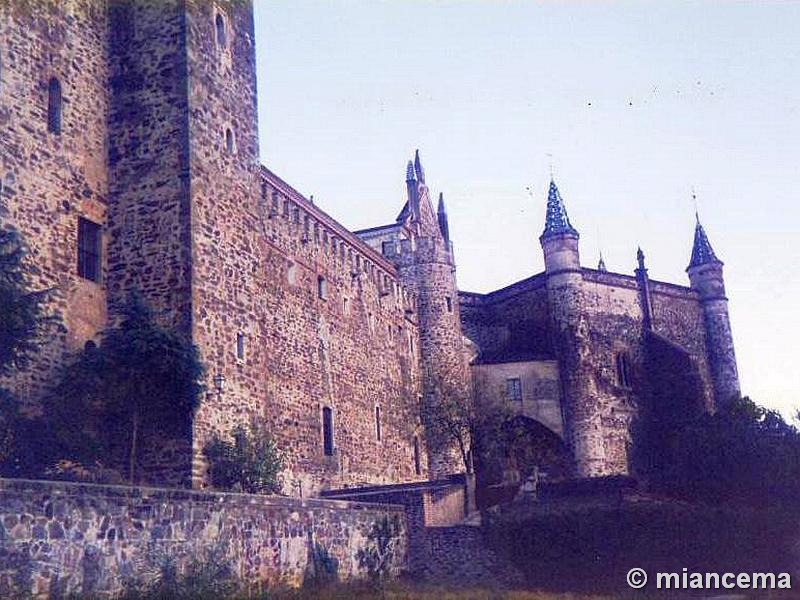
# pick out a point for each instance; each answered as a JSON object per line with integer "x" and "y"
{"x": 250, "y": 463}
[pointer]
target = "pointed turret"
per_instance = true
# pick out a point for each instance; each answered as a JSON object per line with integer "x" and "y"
{"x": 556, "y": 221}
{"x": 418, "y": 168}
{"x": 702, "y": 252}
{"x": 645, "y": 298}
{"x": 705, "y": 277}
{"x": 441, "y": 213}
{"x": 601, "y": 264}
{"x": 559, "y": 239}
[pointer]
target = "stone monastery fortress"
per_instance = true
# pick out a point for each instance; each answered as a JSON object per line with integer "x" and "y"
{"x": 129, "y": 160}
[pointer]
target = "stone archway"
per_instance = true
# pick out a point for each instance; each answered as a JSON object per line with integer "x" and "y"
{"x": 526, "y": 450}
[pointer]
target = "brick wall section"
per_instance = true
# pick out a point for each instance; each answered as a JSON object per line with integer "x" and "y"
{"x": 48, "y": 181}
{"x": 85, "y": 538}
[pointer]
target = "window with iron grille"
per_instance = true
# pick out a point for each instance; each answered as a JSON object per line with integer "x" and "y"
{"x": 514, "y": 389}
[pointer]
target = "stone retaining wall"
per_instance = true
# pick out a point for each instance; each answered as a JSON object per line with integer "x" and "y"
{"x": 63, "y": 537}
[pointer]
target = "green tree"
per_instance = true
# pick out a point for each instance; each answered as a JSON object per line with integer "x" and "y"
{"x": 22, "y": 320}
{"x": 251, "y": 462}
{"x": 743, "y": 454}
{"x": 142, "y": 378}
{"x": 21, "y": 310}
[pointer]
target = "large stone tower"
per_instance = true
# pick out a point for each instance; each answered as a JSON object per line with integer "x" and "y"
{"x": 182, "y": 128}
{"x": 705, "y": 276}
{"x": 427, "y": 267}
{"x": 570, "y": 332}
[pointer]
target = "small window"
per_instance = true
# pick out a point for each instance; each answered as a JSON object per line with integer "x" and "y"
{"x": 327, "y": 431}
{"x": 387, "y": 248}
{"x": 378, "y": 422}
{"x": 90, "y": 346}
{"x": 229, "y": 142}
{"x": 89, "y": 248}
{"x": 514, "y": 389}
{"x": 222, "y": 38}
{"x": 345, "y": 306}
{"x": 624, "y": 370}
{"x": 449, "y": 302}
{"x": 240, "y": 346}
{"x": 417, "y": 465}
{"x": 54, "y": 102}
{"x": 322, "y": 287}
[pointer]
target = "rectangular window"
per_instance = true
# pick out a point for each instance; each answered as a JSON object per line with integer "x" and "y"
{"x": 387, "y": 248}
{"x": 89, "y": 248}
{"x": 240, "y": 346}
{"x": 322, "y": 287}
{"x": 327, "y": 431}
{"x": 378, "y": 422}
{"x": 514, "y": 389}
{"x": 449, "y": 304}
{"x": 417, "y": 465}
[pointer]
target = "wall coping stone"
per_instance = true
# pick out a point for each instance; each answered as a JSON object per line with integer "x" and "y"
{"x": 69, "y": 488}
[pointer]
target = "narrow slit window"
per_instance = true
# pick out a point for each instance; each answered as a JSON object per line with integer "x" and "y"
{"x": 222, "y": 38}
{"x": 322, "y": 287}
{"x": 240, "y": 346}
{"x": 327, "y": 431}
{"x": 89, "y": 249}
{"x": 378, "y": 423}
{"x": 54, "y": 106}
{"x": 624, "y": 370}
{"x": 229, "y": 142}
{"x": 417, "y": 464}
{"x": 449, "y": 302}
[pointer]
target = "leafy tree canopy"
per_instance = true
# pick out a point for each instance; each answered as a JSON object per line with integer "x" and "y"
{"x": 21, "y": 310}
{"x": 141, "y": 378}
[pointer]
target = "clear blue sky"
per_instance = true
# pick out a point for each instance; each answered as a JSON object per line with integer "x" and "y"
{"x": 633, "y": 103}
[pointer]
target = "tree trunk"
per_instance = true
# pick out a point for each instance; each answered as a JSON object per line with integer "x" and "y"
{"x": 134, "y": 441}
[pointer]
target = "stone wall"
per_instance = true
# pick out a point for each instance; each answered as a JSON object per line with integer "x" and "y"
{"x": 599, "y": 317}
{"x": 49, "y": 180}
{"x": 69, "y": 537}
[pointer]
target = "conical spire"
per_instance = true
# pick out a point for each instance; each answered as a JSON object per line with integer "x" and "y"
{"x": 441, "y": 213}
{"x": 410, "y": 171}
{"x": 557, "y": 221}
{"x": 702, "y": 252}
{"x": 418, "y": 168}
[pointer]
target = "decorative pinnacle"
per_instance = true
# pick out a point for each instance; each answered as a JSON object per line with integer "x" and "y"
{"x": 702, "y": 252}
{"x": 557, "y": 221}
{"x": 444, "y": 226}
{"x": 410, "y": 171}
{"x": 640, "y": 258}
{"x": 601, "y": 264}
{"x": 418, "y": 168}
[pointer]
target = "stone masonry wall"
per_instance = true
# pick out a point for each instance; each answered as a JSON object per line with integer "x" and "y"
{"x": 64, "y": 538}
{"x": 609, "y": 322}
{"x": 48, "y": 180}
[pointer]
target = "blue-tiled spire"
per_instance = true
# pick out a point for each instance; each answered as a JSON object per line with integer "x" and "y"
{"x": 702, "y": 252}
{"x": 557, "y": 221}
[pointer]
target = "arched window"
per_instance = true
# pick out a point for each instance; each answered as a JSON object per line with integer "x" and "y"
{"x": 54, "y": 106}
{"x": 222, "y": 39}
{"x": 229, "y": 141}
{"x": 624, "y": 369}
